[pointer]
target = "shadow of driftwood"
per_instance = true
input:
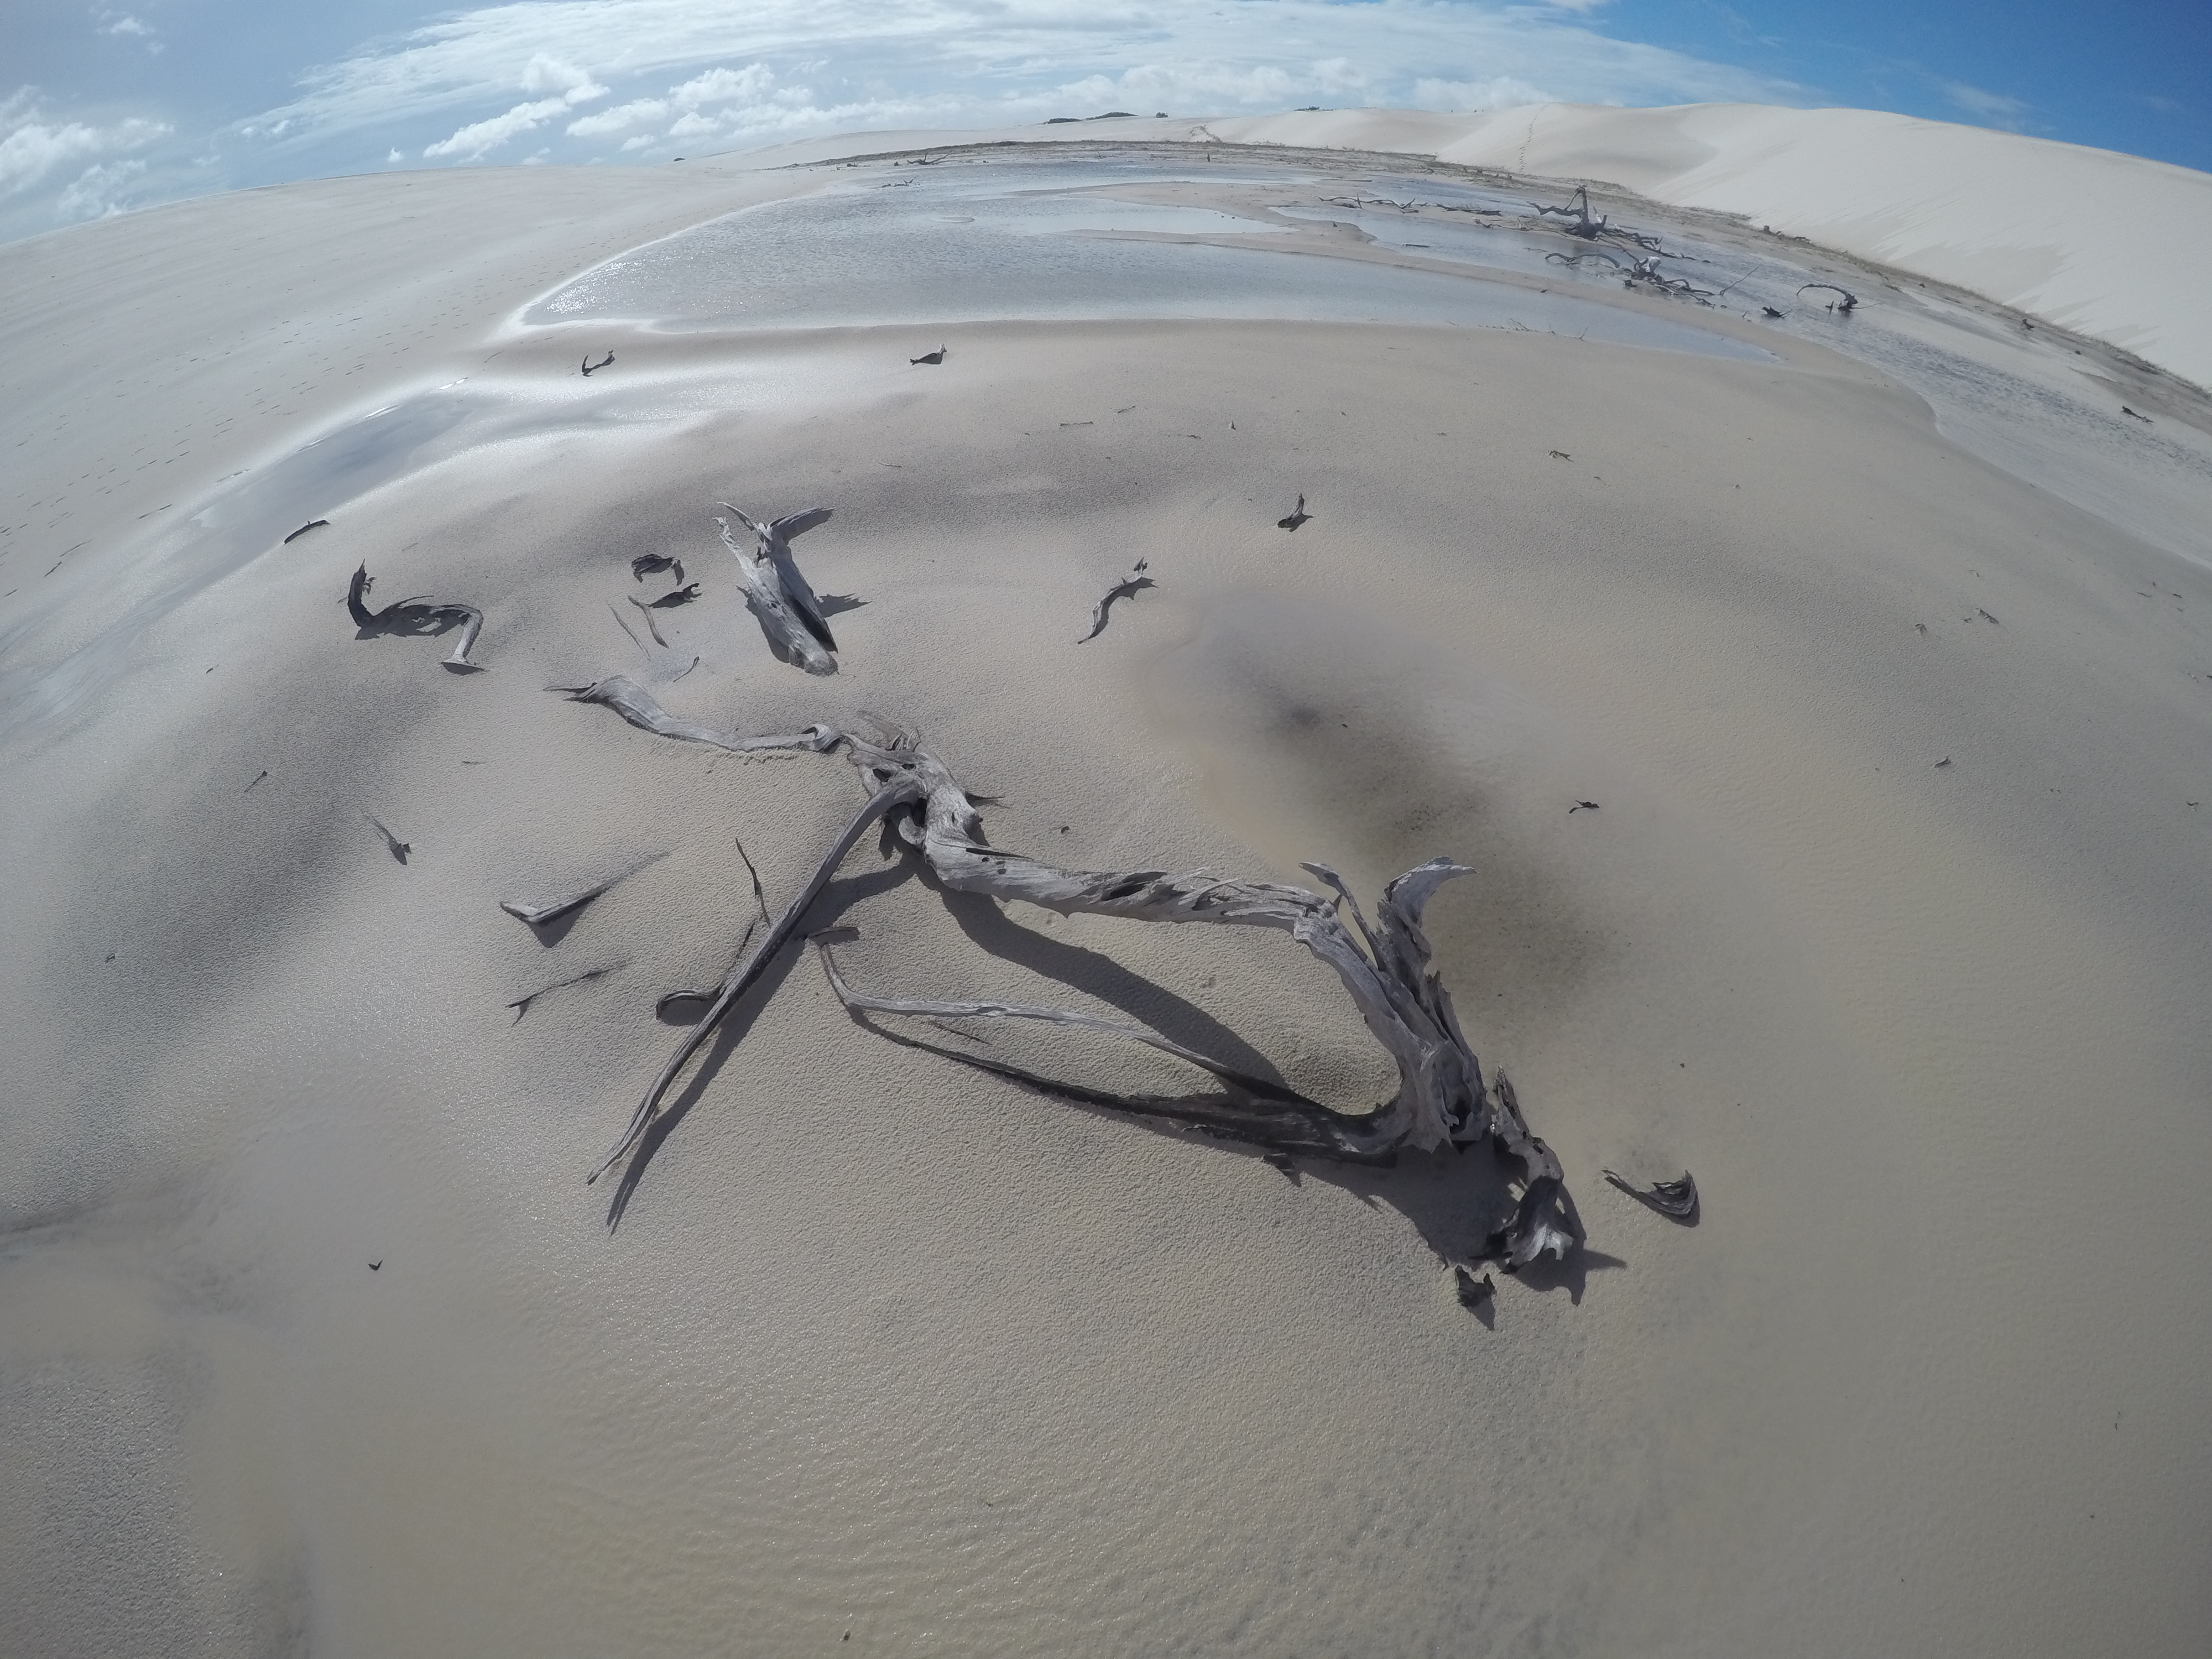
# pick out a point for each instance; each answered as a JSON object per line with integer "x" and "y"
{"x": 1456, "y": 1200}
{"x": 835, "y": 899}
{"x": 986, "y": 922}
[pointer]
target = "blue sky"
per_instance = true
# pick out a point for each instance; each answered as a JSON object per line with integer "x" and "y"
{"x": 106, "y": 106}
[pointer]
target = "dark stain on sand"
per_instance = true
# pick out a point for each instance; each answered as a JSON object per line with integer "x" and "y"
{"x": 1336, "y": 738}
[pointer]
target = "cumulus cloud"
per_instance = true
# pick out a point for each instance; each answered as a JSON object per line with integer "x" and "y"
{"x": 98, "y": 190}
{"x": 717, "y": 85}
{"x": 734, "y": 68}
{"x": 31, "y": 146}
{"x": 544, "y": 73}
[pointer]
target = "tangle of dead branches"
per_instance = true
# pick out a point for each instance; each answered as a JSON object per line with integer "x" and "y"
{"x": 1442, "y": 1100}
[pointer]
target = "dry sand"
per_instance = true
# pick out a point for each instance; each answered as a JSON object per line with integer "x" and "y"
{"x": 886, "y": 1347}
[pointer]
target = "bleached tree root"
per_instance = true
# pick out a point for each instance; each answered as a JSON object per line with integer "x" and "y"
{"x": 790, "y": 613}
{"x": 1441, "y": 1101}
{"x": 417, "y": 616}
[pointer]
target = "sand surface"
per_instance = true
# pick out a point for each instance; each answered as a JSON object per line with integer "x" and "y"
{"x": 886, "y": 1347}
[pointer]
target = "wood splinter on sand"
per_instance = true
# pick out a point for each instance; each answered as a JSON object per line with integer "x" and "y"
{"x": 645, "y": 611}
{"x": 312, "y": 524}
{"x": 1442, "y": 1101}
{"x": 1126, "y": 588}
{"x": 1296, "y": 516}
{"x": 790, "y": 613}
{"x": 399, "y": 849}
{"x": 1675, "y": 1200}
{"x": 592, "y": 368}
{"x": 543, "y": 916}
{"x": 417, "y": 616}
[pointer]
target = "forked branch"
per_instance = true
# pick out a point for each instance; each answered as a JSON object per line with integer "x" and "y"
{"x": 1441, "y": 1100}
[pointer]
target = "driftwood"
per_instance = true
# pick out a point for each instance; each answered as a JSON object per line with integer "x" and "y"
{"x": 629, "y": 699}
{"x": 1441, "y": 1101}
{"x": 1646, "y": 272}
{"x": 592, "y": 368}
{"x": 399, "y": 848}
{"x": 1126, "y": 588}
{"x": 543, "y": 916}
{"x": 312, "y": 524}
{"x": 652, "y": 627}
{"x": 1298, "y": 515}
{"x": 417, "y": 616}
{"x": 1675, "y": 1200}
{"x": 1589, "y": 227}
{"x": 789, "y": 613}
{"x": 931, "y": 357}
{"x": 646, "y": 564}
{"x": 1847, "y": 305}
{"x": 521, "y": 1004}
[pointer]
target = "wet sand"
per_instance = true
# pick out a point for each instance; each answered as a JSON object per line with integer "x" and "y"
{"x": 886, "y": 1347}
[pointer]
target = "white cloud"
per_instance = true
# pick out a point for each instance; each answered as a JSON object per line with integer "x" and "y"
{"x": 95, "y": 194}
{"x": 481, "y": 138}
{"x": 820, "y": 65}
{"x": 125, "y": 25}
{"x": 750, "y": 83}
{"x": 1500, "y": 92}
{"x": 31, "y": 147}
{"x": 542, "y": 73}
{"x": 1993, "y": 107}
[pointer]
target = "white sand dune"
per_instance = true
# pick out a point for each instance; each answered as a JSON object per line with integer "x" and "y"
{"x": 1879, "y": 641}
{"x": 2111, "y": 245}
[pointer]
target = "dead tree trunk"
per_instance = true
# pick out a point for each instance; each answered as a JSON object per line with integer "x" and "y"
{"x": 1441, "y": 1099}
{"x": 790, "y": 613}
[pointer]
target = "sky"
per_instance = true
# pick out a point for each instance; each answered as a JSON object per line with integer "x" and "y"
{"x": 108, "y": 107}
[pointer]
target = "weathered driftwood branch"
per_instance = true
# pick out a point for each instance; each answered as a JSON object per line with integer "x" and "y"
{"x": 543, "y": 916}
{"x": 1591, "y": 226}
{"x": 417, "y": 616}
{"x": 1296, "y": 516}
{"x": 1441, "y": 1099}
{"x": 1675, "y": 1200}
{"x": 521, "y": 1004}
{"x": 399, "y": 849}
{"x": 790, "y": 613}
{"x": 1847, "y": 305}
{"x": 1126, "y": 588}
{"x": 651, "y": 626}
{"x": 635, "y": 704}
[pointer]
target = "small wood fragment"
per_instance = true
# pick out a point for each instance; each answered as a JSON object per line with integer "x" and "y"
{"x": 1675, "y": 1200}
{"x": 543, "y": 915}
{"x": 1126, "y": 588}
